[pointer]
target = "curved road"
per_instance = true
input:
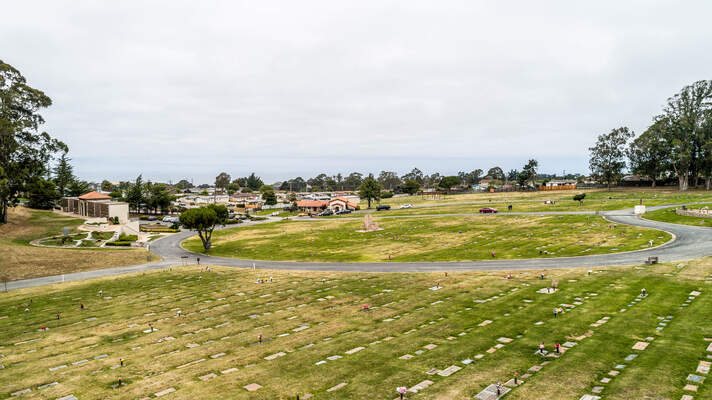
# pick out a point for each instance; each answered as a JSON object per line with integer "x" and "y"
{"x": 689, "y": 242}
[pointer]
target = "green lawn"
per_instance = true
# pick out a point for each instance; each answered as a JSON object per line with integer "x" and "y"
{"x": 628, "y": 195}
{"x": 669, "y": 215}
{"x": 315, "y": 336}
{"x": 430, "y": 239}
{"x": 535, "y": 202}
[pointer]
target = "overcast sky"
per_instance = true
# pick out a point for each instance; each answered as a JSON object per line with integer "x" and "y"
{"x": 284, "y": 88}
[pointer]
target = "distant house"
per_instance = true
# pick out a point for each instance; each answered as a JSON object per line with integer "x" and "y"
{"x": 96, "y": 205}
{"x": 561, "y": 182}
{"x": 312, "y": 206}
{"x": 342, "y": 203}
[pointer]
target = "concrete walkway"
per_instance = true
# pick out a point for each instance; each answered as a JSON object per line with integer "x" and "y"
{"x": 689, "y": 242}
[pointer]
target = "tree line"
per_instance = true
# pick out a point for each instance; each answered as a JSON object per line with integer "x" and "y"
{"x": 676, "y": 145}
{"x": 413, "y": 181}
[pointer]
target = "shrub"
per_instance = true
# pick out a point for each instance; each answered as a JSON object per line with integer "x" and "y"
{"x": 143, "y": 217}
{"x": 116, "y": 220}
{"x": 127, "y": 238}
{"x": 580, "y": 196}
{"x": 166, "y": 230}
{"x": 386, "y": 195}
{"x": 119, "y": 243}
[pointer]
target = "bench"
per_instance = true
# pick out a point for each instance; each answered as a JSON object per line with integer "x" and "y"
{"x": 651, "y": 260}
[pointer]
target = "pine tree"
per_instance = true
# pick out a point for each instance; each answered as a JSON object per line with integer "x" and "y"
{"x": 63, "y": 174}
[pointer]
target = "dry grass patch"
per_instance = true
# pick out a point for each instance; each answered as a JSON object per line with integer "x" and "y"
{"x": 21, "y": 261}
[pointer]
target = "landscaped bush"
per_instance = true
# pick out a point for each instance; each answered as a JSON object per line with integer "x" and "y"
{"x": 119, "y": 243}
{"x": 165, "y": 230}
{"x": 386, "y": 195}
{"x": 257, "y": 218}
{"x": 102, "y": 235}
{"x": 233, "y": 221}
{"x": 580, "y": 196}
{"x": 127, "y": 238}
{"x": 143, "y": 217}
{"x": 88, "y": 243}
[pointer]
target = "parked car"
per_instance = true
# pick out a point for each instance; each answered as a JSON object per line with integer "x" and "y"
{"x": 325, "y": 213}
{"x": 302, "y": 215}
{"x": 383, "y": 207}
{"x": 488, "y": 210}
{"x": 342, "y": 212}
{"x": 171, "y": 219}
{"x": 407, "y": 205}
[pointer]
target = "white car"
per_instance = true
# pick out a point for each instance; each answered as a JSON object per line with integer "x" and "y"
{"x": 408, "y": 205}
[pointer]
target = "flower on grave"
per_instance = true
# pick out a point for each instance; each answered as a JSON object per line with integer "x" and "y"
{"x": 401, "y": 389}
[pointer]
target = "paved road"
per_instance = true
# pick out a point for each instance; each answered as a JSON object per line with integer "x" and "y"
{"x": 689, "y": 242}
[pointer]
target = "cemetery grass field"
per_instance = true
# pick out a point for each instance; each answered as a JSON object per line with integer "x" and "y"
{"x": 430, "y": 239}
{"x": 628, "y": 197}
{"x": 477, "y": 329}
{"x": 534, "y": 202}
{"x": 669, "y": 215}
{"x": 20, "y": 260}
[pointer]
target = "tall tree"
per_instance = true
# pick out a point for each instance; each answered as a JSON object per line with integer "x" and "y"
{"x": 24, "y": 152}
{"x": 411, "y": 187}
{"x": 157, "y": 197}
{"x": 496, "y": 173}
{"x": 447, "y": 182}
{"x": 106, "y": 186}
{"x": 268, "y": 195}
{"x": 184, "y": 184}
{"x": 63, "y": 174}
{"x": 529, "y": 170}
{"x": 78, "y": 187}
{"x": 470, "y": 178}
{"x": 253, "y": 182}
{"x": 683, "y": 122}
{"x": 648, "y": 153}
{"x": 414, "y": 175}
{"x": 608, "y": 155}
{"x": 42, "y": 194}
{"x": 432, "y": 180}
{"x": 203, "y": 220}
{"x": 353, "y": 181}
{"x": 370, "y": 190}
{"x": 134, "y": 196}
{"x": 706, "y": 156}
{"x": 389, "y": 179}
{"x": 221, "y": 181}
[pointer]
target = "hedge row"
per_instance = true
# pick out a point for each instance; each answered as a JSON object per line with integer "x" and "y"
{"x": 167, "y": 230}
{"x": 118, "y": 243}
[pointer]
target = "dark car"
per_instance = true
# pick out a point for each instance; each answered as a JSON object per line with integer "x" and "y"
{"x": 383, "y": 207}
{"x": 326, "y": 213}
{"x": 488, "y": 210}
{"x": 342, "y": 212}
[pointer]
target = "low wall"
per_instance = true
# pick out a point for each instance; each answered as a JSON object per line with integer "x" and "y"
{"x": 560, "y": 187}
{"x": 694, "y": 213}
